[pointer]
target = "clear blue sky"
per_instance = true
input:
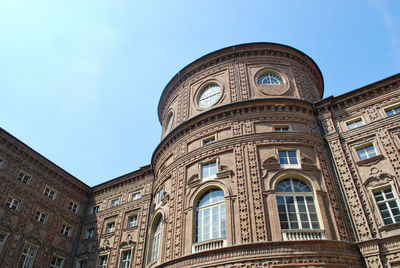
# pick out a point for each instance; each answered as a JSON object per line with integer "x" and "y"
{"x": 80, "y": 80}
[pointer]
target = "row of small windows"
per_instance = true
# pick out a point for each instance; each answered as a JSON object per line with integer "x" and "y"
{"x": 357, "y": 122}
{"x": 116, "y": 202}
{"x": 48, "y": 191}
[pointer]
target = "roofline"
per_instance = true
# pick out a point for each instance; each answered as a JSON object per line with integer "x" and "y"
{"x": 59, "y": 169}
{"x": 232, "y": 48}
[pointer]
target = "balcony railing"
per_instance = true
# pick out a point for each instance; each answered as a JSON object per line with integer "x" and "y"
{"x": 303, "y": 235}
{"x": 208, "y": 245}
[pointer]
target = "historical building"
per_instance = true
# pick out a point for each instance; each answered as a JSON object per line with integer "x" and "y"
{"x": 254, "y": 169}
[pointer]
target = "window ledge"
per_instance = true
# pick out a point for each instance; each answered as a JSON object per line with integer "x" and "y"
{"x": 390, "y": 227}
{"x": 370, "y": 161}
{"x": 209, "y": 245}
{"x": 303, "y": 234}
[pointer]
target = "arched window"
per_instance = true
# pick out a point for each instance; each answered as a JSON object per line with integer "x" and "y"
{"x": 296, "y": 206}
{"x": 210, "y": 216}
{"x": 156, "y": 240}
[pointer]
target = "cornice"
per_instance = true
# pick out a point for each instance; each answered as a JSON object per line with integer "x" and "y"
{"x": 41, "y": 163}
{"x": 358, "y": 95}
{"x": 231, "y": 110}
{"x": 239, "y": 52}
{"x": 226, "y": 145}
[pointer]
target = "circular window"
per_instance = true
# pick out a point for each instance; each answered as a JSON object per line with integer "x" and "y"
{"x": 209, "y": 95}
{"x": 169, "y": 121}
{"x": 270, "y": 79}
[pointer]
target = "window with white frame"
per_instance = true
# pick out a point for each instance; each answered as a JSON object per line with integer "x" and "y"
{"x": 103, "y": 261}
{"x": 13, "y": 203}
{"x": 57, "y": 262}
{"x": 209, "y": 140}
{"x": 393, "y": 110}
{"x": 281, "y": 128}
{"x": 81, "y": 264}
{"x": 94, "y": 210}
{"x": 50, "y": 192}
{"x": 66, "y": 230}
{"x": 73, "y": 207}
{"x": 366, "y": 152}
{"x": 90, "y": 232}
{"x": 388, "y": 205}
{"x": 110, "y": 227}
{"x": 209, "y": 170}
{"x": 156, "y": 240}
{"x": 210, "y": 216}
{"x": 40, "y": 217}
{"x": 159, "y": 197}
{"x": 3, "y": 239}
{"x": 24, "y": 177}
{"x": 354, "y": 123}
{"x": 288, "y": 158}
{"x": 114, "y": 203}
{"x": 27, "y": 256}
{"x": 125, "y": 259}
{"x": 132, "y": 221}
{"x": 136, "y": 195}
{"x": 296, "y": 206}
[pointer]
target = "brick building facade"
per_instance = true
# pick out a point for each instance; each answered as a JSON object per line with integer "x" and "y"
{"x": 254, "y": 169}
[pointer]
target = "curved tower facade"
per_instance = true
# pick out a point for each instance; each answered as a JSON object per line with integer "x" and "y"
{"x": 242, "y": 173}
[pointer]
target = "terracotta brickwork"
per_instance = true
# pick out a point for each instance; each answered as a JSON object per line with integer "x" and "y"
{"x": 378, "y": 235}
{"x": 253, "y": 170}
{"x": 35, "y": 199}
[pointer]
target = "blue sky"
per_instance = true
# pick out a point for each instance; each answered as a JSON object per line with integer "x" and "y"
{"x": 80, "y": 80}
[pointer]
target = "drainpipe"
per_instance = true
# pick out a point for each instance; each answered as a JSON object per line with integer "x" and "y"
{"x": 337, "y": 176}
{"x": 146, "y": 250}
{"x": 78, "y": 236}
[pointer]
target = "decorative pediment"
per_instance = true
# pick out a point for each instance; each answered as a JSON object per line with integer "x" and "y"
{"x": 5, "y": 221}
{"x": 105, "y": 246}
{"x": 33, "y": 237}
{"x": 194, "y": 179}
{"x": 128, "y": 242}
{"x": 307, "y": 163}
{"x": 84, "y": 250}
{"x": 377, "y": 178}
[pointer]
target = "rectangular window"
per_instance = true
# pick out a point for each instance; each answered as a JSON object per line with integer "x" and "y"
{"x": 366, "y": 152}
{"x": 136, "y": 195}
{"x": 94, "y": 210}
{"x": 40, "y": 217}
{"x": 159, "y": 197}
{"x": 209, "y": 140}
{"x": 388, "y": 205}
{"x": 66, "y": 230}
{"x": 132, "y": 221}
{"x": 281, "y": 128}
{"x": 1, "y": 162}
{"x": 13, "y": 203}
{"x": 114, "y": 203}
{"x": 90, "y": 233}
{"x": 103, "y": 261}
{"x": 50, "y": 192}
{"x": 125, "y": 259}
{"x": 3, "y": 239}
{"x": 81, "y": 264}
{"x": 393, "y": 110}
{"x": 110, "y": 227}
{"x": 354, "y": 123}
{"x": 288, "y": 158}
{"x": 57, "y": 262}
{"x": 27, "y": 256}
{"x": 209, "y": 170}
{"x": 73, "y": 207}
{"x": 24, "y": 177}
